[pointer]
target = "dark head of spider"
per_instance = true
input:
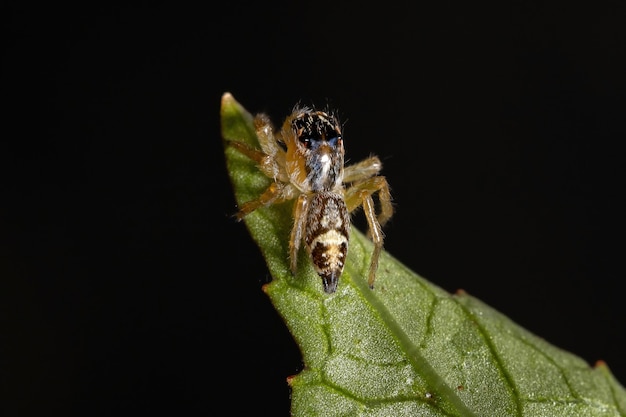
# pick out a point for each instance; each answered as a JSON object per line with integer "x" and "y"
{"x": 319, "y": 136}
{"x": 317, "y": 128}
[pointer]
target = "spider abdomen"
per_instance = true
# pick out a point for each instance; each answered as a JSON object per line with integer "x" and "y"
{"x": 327, "y": 235}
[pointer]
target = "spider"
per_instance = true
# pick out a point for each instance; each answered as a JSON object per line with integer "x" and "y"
{"x": 305, "y": 159}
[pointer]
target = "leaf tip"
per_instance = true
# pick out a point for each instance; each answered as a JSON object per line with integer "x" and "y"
{"x": 227, "y": 97}
{"x": 230, "y": 105}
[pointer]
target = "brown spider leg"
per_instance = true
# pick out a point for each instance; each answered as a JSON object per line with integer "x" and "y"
{"x": 375, "y": 233}
{"x": 370, "y": 186}
{"x": 273, "y": 194}
{"x": 256, "y": 155}
{"x": 300, "y": 210}
{"x": 384, "y": 198}
{"x": 362, "y": 170}
{"x": 265, "y": 134}
{"x": 268, "y": 165}
{"x": 361, "y": 194}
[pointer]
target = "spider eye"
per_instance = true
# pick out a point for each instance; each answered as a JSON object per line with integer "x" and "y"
{"x": 306, "y": 141}
{"x": 334, "y": 140}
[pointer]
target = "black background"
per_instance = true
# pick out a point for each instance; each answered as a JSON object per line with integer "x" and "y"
{"x": 126, "y": 287}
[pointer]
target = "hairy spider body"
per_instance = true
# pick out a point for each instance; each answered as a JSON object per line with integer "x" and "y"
{"x": 306, "y": 161}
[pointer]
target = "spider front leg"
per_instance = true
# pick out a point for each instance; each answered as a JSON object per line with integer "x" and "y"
{"x": 265, "y": 163}
{"x": 271, "y": 157}
{"x": 273, "y": 163}
{"x": 361, "y": 194}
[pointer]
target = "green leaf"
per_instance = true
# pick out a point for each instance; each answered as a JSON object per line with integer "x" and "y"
{"x": 407, "y": 347}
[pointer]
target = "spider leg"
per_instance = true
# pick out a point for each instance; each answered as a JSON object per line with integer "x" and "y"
{"x": 265, "y": 134}
{"x": 256, "y": 155}
{"x": 361, "y": 170}
{"x": 300, "y": 210}
{"x": 274, "y": 165}
{"x": 272, "y": 194}
{"x": 356, "y": 198}
{"x": 376, "y": 234}
{"x": 356, "y": 193}
{"x": 270, "y": 166}
{"x": 361, "y": 194}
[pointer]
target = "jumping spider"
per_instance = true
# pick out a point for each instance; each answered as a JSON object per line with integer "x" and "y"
{"x": 306, "y": 161}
